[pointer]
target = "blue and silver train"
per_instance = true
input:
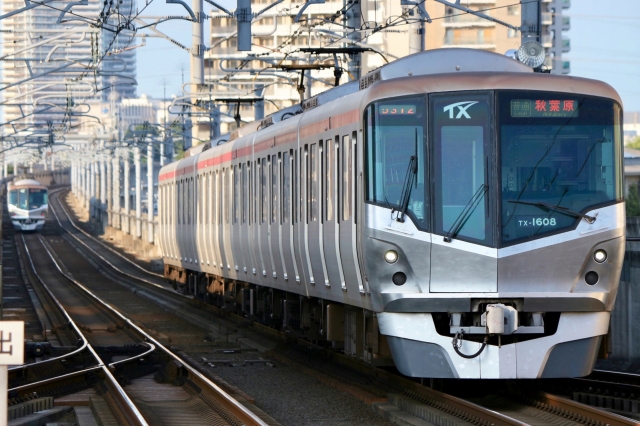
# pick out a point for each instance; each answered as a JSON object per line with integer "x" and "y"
{"x": 454, "y": 213}
{"x": 28, "y": 204}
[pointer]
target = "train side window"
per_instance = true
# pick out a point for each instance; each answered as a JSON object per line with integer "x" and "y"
{"x": 229, "y": 195}
{"x": 395, "y": 133}
{"x": 354, "y": 184}
{"x": 244, "y": 192}
{"x": 237, "y": 200}
{"x": 336, "y": 176}
{"x": 265, "y": 191}
{"x": 313, "y": 183}
{"x": 180, "y": 202}
{"x": 188, "y": 202}
{"x": 275, "y": 165}
{"x": 346, "y": 177}
{"x": 286, "y": 187}
{"x": 329, "y": 181}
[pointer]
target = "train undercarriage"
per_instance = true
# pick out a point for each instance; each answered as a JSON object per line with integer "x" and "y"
{"x": 348, "y": 329}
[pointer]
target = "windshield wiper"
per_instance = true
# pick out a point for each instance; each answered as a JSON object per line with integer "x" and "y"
{"x": 587, "y": 218}
{"x": 465, "y": 213}
{"x": 410, "y": 177}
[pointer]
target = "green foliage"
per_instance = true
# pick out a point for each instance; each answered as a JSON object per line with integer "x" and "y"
{"x": 634, "y": 143}
{"x": 633, "y": 201}
{"x": 179, "y": 150}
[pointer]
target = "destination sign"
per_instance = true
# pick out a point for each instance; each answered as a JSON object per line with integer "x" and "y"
{"x": 544, "y": 108}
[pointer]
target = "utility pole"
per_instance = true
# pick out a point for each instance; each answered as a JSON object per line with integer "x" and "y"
{"x": 531, "y": 13}
{"x": 353, "y": 22}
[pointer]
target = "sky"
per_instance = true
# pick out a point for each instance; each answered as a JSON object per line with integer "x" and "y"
{"x": 604, "y": 45}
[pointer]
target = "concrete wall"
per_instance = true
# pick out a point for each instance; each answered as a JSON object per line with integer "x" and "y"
{"x": 625, "y": 319}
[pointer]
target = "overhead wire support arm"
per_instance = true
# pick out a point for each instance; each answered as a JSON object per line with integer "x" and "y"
{"x": 304, "y": 7}
{"x": 186, "y": 6}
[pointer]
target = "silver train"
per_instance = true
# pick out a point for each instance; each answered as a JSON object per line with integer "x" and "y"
{"x": 453, "y": 213}
{"x": 27, "y": 204}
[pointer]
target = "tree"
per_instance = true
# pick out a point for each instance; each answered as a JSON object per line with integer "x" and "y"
{"x": 634, "y": 143}
{"x": 633, "y": 201}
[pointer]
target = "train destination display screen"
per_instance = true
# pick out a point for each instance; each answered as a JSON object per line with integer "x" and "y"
{"x": 544, "y": 108}
{"x": 397, "y": 109}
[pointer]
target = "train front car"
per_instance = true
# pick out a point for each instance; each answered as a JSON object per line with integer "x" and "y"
{"x": 28, "y": 204}
{"x": 494, "y": 226}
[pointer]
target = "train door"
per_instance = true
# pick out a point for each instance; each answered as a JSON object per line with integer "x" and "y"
{"x": 314, "y": 218}
{"x": 198, "y": 223}
{"x": 274, "y": 220}
{"x": 206, "y": 201}
{"x": 461, "y": 143}
{"x": 219, "y": 219}
{"x": 330, "y": 231}
{"x": 291, "y": 272}
{"x": 235, "y": 231}
{"x": 347, "y": 212}
{"x": 228, "y": 211}
{"x": 299, "y": 182}
{"x": 245, "y": 219}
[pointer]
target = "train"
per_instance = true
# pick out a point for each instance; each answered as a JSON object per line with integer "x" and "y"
{"x": 453, "y": 214}
{"x": 27, "y": 204}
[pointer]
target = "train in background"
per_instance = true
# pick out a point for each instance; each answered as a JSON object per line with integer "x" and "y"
{"x": 453, "y": 213}
{"x": 28, "y": 202}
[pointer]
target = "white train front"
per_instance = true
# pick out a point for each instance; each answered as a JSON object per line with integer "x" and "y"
{"x": 453, "y": 210}
{"x": 28, "y": 204}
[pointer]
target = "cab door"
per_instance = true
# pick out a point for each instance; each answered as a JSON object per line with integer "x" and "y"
{"x": 463, "y": 253}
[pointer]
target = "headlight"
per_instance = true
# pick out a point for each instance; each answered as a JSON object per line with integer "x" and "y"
{"x": 391, "y": 256}
{"x": 600, "y": 256}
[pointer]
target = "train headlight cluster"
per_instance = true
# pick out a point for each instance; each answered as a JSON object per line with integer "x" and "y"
{"x": 391, "y": 256}
{"x": 600, "y": 256}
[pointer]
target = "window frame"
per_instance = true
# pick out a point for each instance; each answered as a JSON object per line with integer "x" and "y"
{"x": 425, "y": 225}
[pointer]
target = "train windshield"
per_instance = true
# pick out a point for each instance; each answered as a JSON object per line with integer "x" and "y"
{"x": 560, "y": 154}
{"x": 37, "y": 198}
{"x": 28, "y": 198}
{"x": 396, "y": 134}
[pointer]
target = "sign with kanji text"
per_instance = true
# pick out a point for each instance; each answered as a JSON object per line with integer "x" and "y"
{"x": 11, "y": 342}
{"x": 544, "y": 108}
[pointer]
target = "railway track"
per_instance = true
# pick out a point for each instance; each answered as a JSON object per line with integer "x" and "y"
{"x": 402, "y": 394}
{"x": 113, "y": 351}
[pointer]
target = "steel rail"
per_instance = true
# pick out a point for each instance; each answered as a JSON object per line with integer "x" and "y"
{"x": 473, "y": 410}
{"x": 228, "y": 403}
{"x": 125, "y": 404}
{"x": 101, "y": 243}
{"x": 578, "y": 408}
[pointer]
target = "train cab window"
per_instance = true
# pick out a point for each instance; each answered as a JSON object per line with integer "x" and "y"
{"x": 37, "y": 198}
{"x": 396, "y": 134}
{"x": 560, "y": 154}
{"x": 461, "y": 135}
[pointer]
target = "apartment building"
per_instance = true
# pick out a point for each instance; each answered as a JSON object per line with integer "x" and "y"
{"x": 56, "y": 48}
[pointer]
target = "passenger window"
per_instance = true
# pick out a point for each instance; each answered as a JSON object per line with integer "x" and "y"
{"x": 461, "y": 143}
{"x": 330, "y": 182}
{"x": 346, "y": 177}
{"x": 274, "y": 188}
{"x": 395, "y": 135}
{"x": 313, "y": 183}
{"x": 286, "y": 187}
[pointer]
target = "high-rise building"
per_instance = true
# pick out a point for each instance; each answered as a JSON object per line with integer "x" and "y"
{"x": 60, "y": 50}
{"x": 383, "y": 27}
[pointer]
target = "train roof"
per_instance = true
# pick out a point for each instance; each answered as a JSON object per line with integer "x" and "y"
{"x": 26, "y": 183}
{"x": 437, "y": 70}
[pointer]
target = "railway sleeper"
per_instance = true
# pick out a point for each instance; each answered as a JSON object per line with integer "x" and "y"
{"x": 344, "y": 328}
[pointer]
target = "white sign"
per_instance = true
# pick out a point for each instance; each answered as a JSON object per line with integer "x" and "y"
{"x": 11, "y": 342}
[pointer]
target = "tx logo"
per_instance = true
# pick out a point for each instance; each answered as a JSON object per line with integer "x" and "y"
{"x": 462, "y": 109}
